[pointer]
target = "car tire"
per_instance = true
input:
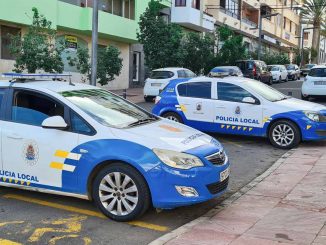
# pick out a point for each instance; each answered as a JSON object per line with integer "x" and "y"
{"x": 110, "y": 193}
{"x": 149, "y": 98}
{"x": 307, "y": 98}
{"x": 173, "y": 117}
{"x": 284, "y": 134}
{"x": 286, "y": 79}
{"x": 270, "y": 81}
{"x": 280, "y": 79}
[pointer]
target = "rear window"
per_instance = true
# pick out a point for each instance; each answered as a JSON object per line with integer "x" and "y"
{"x": 290, "y": 67}
{"x": 195, "y": 90}
{"x": 317, "y": 72}
{"x": 309, "y": 66}
{"x": 161, "y": 74}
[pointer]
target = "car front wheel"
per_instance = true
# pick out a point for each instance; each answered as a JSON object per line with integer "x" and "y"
{"x": 120, "y": 192}
{"x": 284, "y": 134}
{"x": 173, "y": 117}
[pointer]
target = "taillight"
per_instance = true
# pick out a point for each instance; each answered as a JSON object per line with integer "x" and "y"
{"x": 254, "y": 70}
{"x": 157, "y": 99}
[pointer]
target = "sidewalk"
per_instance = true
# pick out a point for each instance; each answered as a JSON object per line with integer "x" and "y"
{"x": 134, "y": 95}
{"x": 287, "y": 205}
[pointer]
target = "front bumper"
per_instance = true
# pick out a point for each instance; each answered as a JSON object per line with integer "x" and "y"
{"x": 314, "y": 131}
{"x": 205, "y": 180}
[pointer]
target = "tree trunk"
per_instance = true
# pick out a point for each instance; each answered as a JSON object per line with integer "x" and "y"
{"x": 316, "y": 41}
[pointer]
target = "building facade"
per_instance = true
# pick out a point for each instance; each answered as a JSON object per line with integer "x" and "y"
{"x": 118, "y": 24}
{"x": 243, "y": 16}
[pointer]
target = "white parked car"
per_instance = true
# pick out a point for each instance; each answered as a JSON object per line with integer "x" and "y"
{"x": 279, "y": 73}
{"x": 314, "y": 84}
{"x": 160, "y": 78}
{"x": 293, "y": 71}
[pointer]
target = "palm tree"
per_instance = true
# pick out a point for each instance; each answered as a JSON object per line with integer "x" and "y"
{"x": 314, "y": 13}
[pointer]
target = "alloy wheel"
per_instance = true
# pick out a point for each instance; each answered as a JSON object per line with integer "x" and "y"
{"x": 118, "y": 193}
{"x": 172, "y": 118}
{"x": 283, "y": 135}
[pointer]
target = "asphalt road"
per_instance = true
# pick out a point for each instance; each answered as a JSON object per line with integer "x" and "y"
{"x": 36, "y": 218}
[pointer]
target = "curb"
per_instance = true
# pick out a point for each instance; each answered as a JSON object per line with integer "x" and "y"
{"x": 186, "y": 227}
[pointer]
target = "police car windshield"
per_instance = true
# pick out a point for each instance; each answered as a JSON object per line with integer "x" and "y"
{"x": 108, "y": 109}
{"x": 266, "y": 91}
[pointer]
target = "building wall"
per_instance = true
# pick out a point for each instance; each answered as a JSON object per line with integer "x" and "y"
{"x": 68, "y": 17}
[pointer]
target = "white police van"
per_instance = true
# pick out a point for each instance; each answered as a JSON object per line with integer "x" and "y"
{"x": 234, "y": 105}
{"x": 82, "y": 141}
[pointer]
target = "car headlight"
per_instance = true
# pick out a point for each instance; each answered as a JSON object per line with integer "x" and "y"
{"x": 314, "y": 116}
{"x": 177, "y": 159}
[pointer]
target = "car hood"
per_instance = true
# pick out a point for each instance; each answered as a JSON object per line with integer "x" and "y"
{"x": 275, "y": 72}
{"x": 165, "y": 134}
{"x": 296, "y": 104}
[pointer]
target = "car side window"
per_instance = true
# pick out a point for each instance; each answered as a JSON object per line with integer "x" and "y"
{"x": 231, "y": 92}
{"x": 181, "y": 74}
{"x": 2, "y": 93}
{"x": 190, "y": 74}
{"x": 195, "y": 90}
{"x": 78, "y": 125}
{"x": 33, "y": 108}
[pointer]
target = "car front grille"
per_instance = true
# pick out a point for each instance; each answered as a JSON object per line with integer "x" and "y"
{"x": 217, "y": 187}
{"x": 218, "y": 158}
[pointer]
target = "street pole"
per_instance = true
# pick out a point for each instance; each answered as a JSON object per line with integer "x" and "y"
{"x": 259, "y": 33}
{"x": 94, "y": 43}
{"x": 302, "y": 39}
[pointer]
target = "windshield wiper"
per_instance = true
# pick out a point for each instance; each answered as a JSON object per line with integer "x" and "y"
{"x": 142, "y": 121}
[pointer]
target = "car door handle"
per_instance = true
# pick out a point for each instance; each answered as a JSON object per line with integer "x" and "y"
{"x": 15, "y": 136}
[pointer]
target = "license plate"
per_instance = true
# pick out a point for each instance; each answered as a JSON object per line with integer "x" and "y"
{"x": 320, "y": 82}
{"x": 156, "y": 84}
{"x": 225, "y": 174}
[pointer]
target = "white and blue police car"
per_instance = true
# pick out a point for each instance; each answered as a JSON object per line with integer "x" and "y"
{"x": 83, "y": 141}
{"x": 242, "y": 106}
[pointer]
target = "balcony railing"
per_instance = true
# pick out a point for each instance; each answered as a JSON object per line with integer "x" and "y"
{"x": 232, "y": 14}
{"x": 249, "y": 22}
{"x": 121, "y": 8}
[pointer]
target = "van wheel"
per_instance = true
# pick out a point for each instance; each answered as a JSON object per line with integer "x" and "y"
{"x": 149, "y": 98}
{"x": 307, "y": 98}
{"x": 284, "y": 134}
{"x": 120, "y": 192}
{"x": 173, "y": 117}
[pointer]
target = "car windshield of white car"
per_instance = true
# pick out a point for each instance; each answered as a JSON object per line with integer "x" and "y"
{"x": 161, "y": 75}
{"x": 317, "y": 72}
{"x": 266, "y": 91}
{"x": 275, "y": 68}
{"x": 290, "y": 68}
{"x": 108, "y": 109}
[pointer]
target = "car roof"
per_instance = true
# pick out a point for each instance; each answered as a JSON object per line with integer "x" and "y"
{"x": 54, "y": 86}
{"x": 227, "y": 67}
{"x": 203, "y": 79}
{"x": 170, "y": 69}
{"x": 319, "y": 66}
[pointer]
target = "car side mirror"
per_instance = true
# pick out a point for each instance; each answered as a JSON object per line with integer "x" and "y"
{"x": 249, "y": 100}
{"x": 55, "y": 122}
